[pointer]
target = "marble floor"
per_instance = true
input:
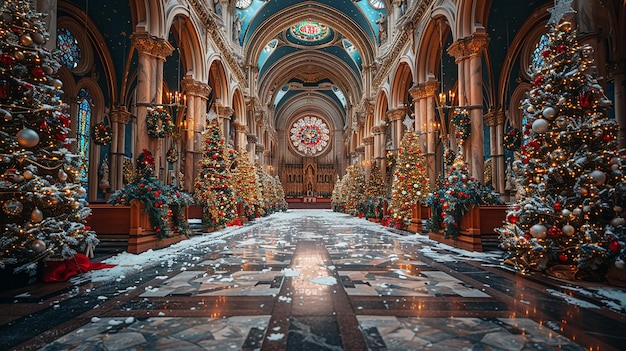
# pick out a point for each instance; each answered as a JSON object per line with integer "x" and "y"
{"x": 312, "y": 280}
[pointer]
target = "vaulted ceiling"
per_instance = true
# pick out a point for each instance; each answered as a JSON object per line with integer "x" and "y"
{"x": 309, "y": 54}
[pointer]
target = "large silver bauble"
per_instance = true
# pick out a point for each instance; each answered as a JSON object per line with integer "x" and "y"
{"x": 38, "y": 38}
{"x": 619, "y": 263}
{"x": 540, "y": 126}
{"x": 618, "y": 221}
{"x": 598, "y": 177}
{"x": 548, "y": 112}
{"x": 538, "y": 231}
{"x": 27, "y": 137}
{"x": 568, "y": 230}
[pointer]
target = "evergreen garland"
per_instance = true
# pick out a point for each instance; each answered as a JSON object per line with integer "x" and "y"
{"x": 159, "y": 122}
{"x": 101, "y": 134}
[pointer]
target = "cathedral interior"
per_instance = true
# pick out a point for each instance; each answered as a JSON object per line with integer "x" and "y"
{"x": 309, "y": 87}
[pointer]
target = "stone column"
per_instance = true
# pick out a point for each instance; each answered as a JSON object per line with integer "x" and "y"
{"x": 240, "y": 136}
{"x": 495, "y": 121}
{"x": 119, "y": 119}
{"x": 369, "y": 147}
{"x": 395, "y": 117}
{"x": 468, "y": 55}
{"x": 224, "y": 113}
{"x": 617, "y": 70}
{"x": 192, "y": 141}
{"x": 152, "y": 52}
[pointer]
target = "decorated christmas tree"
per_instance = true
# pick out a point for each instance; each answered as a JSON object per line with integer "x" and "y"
{"x": 571, "y": 190}
{"x": 336, "y": 198}
{"x": 43, "y": 207}
{"x": 354, "y": 189}
{"x": 410, "y": 184}
{"x": 245, "y": 183}
{"x": 375, "y": 186}
{"x": 281, "y": 202}
{"x": 213, "y": 190}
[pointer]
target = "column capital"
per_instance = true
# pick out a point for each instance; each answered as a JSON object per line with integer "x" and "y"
{"x": 379, "y": 129}
{"x": 241, "y": 128}
{"x": 252, "y": 139}
{"x": 120, "y": 115}
{"x": 151, "y": 45}
{"x": 396, "y": 114}
{"x": 469, "y": 47}
{"x": 223, "y": 111}
{"x": 196, "y": 88}
{"x": 368, "y": 140}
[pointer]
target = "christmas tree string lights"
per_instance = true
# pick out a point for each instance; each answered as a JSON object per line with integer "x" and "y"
{"x": 41, "y": 197}
{"x": 569, "y": 210}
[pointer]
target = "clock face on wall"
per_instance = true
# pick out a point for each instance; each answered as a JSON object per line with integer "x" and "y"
{"x": 309, "y": 135}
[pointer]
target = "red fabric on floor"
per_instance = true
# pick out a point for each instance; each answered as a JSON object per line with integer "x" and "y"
{"x": 60, "y": 271}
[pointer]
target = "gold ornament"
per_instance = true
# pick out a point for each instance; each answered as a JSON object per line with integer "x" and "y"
{"x": 36, "y": 216}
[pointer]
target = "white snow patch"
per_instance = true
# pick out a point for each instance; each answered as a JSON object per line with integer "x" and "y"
{"x": 572, "y": 300}
{"x": 288, "y": 272}
{"x": 324, "y": 280}
{"x": 276, "y": 336}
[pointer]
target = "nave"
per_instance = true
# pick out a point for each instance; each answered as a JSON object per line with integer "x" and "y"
{"x": 311, "y": 280}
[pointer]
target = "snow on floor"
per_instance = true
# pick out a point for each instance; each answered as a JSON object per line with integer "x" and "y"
{"x": 345, "y": 228}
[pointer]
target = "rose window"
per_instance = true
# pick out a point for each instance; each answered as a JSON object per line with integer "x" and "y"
{"x": 309, "y": 135}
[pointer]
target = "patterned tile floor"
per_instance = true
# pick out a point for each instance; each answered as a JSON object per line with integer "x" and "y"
{"x": 310, "y": 280}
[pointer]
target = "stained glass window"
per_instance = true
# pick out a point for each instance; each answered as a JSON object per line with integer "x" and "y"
{"x": 82, "y": 134}
{"x": 542, "y": 46}
{"x": 309, "y": 135}
{"x": 310, "y": 31}
{"x": 68, "y": 45}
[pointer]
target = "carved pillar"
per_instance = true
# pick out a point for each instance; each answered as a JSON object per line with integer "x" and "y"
{"x": 192, "y": 142}
{"x": 395, "y": 118}
{"x": 617, "y": 70}
{"x": 426, "y": 125}
{"x": 369, "y": 147}
{"x": 468, "y": 55}
{"x": 240, "y": 136}
{"x": 119, "y": 119}
{"x": 224, "y": 113}
{"x": 152, "y": 52}
{"x": 495, "y": 121}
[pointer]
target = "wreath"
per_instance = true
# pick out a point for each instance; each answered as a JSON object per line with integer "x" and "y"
{"x": 101, "y": 134}
{"x": 462, "y": 125}
{"x": 172, "y": 155}
{"x": 512, "y": 139}
{"x": 159, "y": 122}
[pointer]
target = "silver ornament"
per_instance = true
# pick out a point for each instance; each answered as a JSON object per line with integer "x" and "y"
{"x": 618, "y": 221}
{"x": 38, "y": 245}
{"x": 538, "y": 231}
{"x": 568, "y": 230}
{"x": 548, "y": 112}
{"x": 566, "y": 212}
{"x": 27, "y": 137}
{"x": 540, "y": 126}
{"x": 577, "y": 212}
{"x": 598, "y": 177}
{"x": 62, "y": 175}
{"x": 619, "y": 263}
{"x": 38, "y": 38}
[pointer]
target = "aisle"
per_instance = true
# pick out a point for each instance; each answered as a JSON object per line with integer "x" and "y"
{"x": 314, "y": 280}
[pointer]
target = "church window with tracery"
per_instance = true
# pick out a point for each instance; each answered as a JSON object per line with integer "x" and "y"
{"x": 310, "y": 135}
{"x": 85, "y": 102}
{"x": 68, "y": 45}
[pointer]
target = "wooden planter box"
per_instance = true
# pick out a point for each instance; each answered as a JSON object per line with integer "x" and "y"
{"x": 127, "y": 228}
{"x": 419, "y": 213}
{"x": 476, "y": 229}
{"x": 194, "y": 211}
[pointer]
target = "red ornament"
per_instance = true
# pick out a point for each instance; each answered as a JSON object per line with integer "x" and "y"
{"x": 607, "y": 137}
{"x": 7, "y": 60}
{"x": 585, "y": 99}
{"x": 614, "y": 246}
{"x": 546, "y": 53}
{"x": 527, "y": 236}
{"x": 512, "y": 218}
{"x": 538, "y": 81}
{"x": 555, "y": 232}
{"x": 561, "y": 49}
{"x": 557, "y": 206}
{"x": 38, "y": 72}
{"x": 563, "y": 257}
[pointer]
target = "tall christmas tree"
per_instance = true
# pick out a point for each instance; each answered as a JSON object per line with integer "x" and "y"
{"x": 375, "y": 185}
{"x": 245, "y": 183}
{"x": 354, "y": 188}
{"x": 212, "y": 188}
{"x": 41, "y": 197}
{"x": 410, "y": 184}
{"x": 571, "y": 195}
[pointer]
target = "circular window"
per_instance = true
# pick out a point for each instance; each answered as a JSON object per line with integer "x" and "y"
{"x": 242, "y": 4}
{"x": 377, "y": 4}
{"x": 309, "y": 135}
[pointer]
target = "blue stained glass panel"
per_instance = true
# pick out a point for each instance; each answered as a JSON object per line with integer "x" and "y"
{"x": 83, "y": 135}
{"x": 68, "y": 45}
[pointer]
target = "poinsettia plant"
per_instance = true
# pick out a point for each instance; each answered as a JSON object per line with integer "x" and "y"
{"x": 161, "y": 201}
{"x": 454, "y": 196}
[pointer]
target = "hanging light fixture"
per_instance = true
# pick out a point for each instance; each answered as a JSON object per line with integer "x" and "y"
{"x": 177, "y": 100}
